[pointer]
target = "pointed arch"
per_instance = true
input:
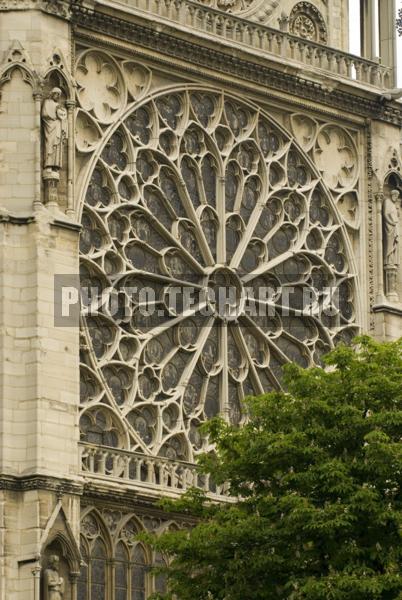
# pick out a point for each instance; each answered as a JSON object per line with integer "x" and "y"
{"x": 97, "y": 544}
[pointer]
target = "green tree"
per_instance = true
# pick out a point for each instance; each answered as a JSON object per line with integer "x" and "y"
{"x": 318, "y": 472}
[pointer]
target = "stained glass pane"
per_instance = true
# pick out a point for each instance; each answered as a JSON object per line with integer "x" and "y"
{"x": 160, "y": 578}
{"x": 139, "y": 124}
{"x": 231, "y": 186}
{"x": 138, "y": 573}
{"x": 114, "y": 153}
{"x": 170, "y": 109}
{"x": 120, "y": 573}
{"x": 190, "y": 179}
{"x": 98, "y": 572}
{"x": 82, "y": 583}
{"x": 208, "y": 170}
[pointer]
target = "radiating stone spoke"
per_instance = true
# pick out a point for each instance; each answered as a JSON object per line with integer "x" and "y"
{"x": 224, "y": 257}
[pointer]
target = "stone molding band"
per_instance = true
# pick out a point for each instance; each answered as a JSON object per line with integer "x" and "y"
{"x": 40, "y": 482}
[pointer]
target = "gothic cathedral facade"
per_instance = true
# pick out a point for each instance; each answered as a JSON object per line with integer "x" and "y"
{"x": 154, "y": 153}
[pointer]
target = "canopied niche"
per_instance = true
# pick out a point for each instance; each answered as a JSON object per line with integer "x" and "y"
{"x": 57, "y": 138}
{"x": 19, "y": 89}
{"x": 391, "y": 233}
{"x": 60, "y": 559}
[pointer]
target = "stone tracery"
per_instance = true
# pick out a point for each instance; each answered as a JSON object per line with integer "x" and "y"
{"x": 200, "y": 191}
{"x": 111, "y": 538}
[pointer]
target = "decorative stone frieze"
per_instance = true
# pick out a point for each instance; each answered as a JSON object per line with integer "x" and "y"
{"x": 59, "y": 8}
{"x": 239, "y": 66}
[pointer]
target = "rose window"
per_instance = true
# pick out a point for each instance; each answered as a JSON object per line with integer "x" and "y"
{"x": 211, "y": 256}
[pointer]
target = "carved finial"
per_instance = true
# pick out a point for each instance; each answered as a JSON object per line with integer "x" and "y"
{"x": 283, "y": 21}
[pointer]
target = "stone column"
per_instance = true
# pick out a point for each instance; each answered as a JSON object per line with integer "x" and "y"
{"x": 73, "y": 581}
{"x": 36, "y": 572}
{"x": 369, "y": 29}
{"x": 387, "y": 36}
{"x": 37, "y": 203}
{"x": 379, "y": 246}
{"x": 70, "y": 168}
{"x": 39, "y": 377}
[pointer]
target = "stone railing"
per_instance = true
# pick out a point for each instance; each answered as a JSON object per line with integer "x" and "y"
{"x": 140, "y": 471}
{"x": 264, "y": 40}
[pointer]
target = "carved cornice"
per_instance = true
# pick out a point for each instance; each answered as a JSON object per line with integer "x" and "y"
{"x": 367, "y": 105}
{"x": 123, "y": 496}
{"x": 100, "y": 495}
{"x": 16, "y": 219}
{"x": 66, "y": 224}
{"x": 59, "y": 8}
{"x": 61, "y": 223}
{"x": 388, "y": 308}
{"x": 40, "y": 482}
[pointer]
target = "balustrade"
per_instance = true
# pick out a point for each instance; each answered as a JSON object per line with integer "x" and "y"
{"x": 140, "y": 470}
{"x": 266, "y": 39}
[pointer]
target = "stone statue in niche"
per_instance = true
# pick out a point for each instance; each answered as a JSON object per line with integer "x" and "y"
{"x": 54, "y": 119}
{"x": 55, "y": 134}
{"x": 390, "y": 216}
{"x": 53, "y": 583}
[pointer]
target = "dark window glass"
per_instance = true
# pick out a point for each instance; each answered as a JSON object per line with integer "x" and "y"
{"x": 82, "y": 583}
{"x": 190, "y": 179}
{"x": 160, "y": 578}
{"x": 113, "y": 153}
{"x": 138, "y": 573}
{"x": 139, "y": 124}
{"x": 120, "y": 573}
{"x": 209, "y": 180}
{"x": 98, "y": 571}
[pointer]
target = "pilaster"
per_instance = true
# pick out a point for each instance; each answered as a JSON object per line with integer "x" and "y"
{"x": 39, "y": 375}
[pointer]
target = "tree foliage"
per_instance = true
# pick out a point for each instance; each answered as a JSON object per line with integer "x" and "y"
{"x": 315, "y": 480}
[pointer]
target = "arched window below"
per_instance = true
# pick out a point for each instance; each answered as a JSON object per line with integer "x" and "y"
{"x": 98, "y": 571}
{"x": 93, "y": 578}
{"x": 82, "y": 583}
{"x": 139, "y": 571}
{"x": 160, "y": 580}
{"x": 120, "y": 572}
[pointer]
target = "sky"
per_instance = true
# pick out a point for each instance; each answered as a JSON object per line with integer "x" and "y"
{"x": 354, "y": 34}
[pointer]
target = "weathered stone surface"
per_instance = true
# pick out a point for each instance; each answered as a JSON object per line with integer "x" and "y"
{"x": 182, "y": 121}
